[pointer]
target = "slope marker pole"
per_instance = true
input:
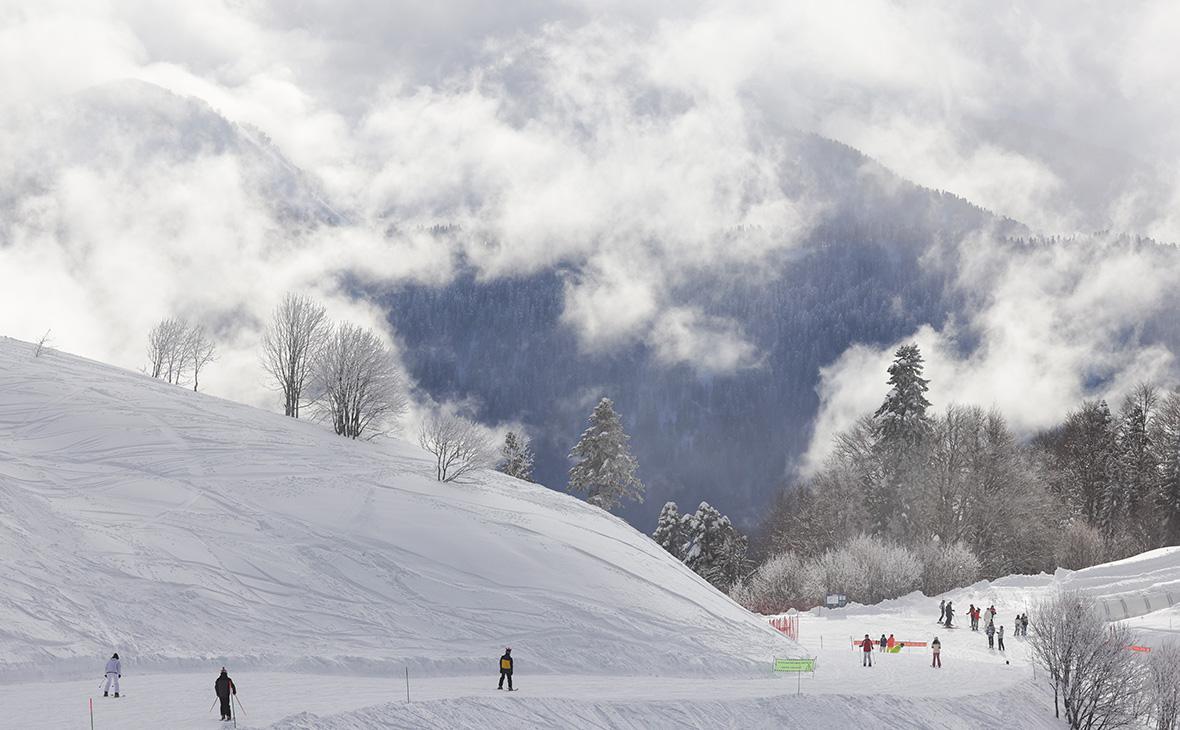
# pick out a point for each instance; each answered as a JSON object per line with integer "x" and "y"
{"x": 407, "y": 685}
{"x": 91, "y": 713}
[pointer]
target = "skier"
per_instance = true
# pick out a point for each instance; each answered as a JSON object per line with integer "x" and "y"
{"x": 941, "y": 610}
{"x": 971, "y": 615}
{"x": 113, "y": 674}
{"x": 1000, "y": 637}
{"x": 506, "y": 668}
{"x": 891, "y": 643}
{"x": 950, "y": 614}
{"x": 883, "y": 642}
{"x": 224, "y": 687}
{"x": 936, "y": 647}
{"x": 991, "y": 633}
{"x": 867, "y": 648}
{"x": 1024, "y": 625}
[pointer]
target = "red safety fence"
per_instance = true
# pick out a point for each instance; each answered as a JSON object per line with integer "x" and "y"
{"x": 912, "y": 643}
{"x": 788, "y": 625}
{"x": 1144, "y": 649}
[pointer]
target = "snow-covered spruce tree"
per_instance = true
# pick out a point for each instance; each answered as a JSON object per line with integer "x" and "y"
{"x": 516, "y": 456}
{"x": 670, "y": 530}
{"x": 356, "y": 384}
{"x": 902, "y": 429}
{"x": 298, "y": 328}
{"x": 605, "y": 468}
{"x": 714, "y": 549}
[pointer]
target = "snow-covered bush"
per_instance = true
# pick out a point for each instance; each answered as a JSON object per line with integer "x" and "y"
{"x": 356, "y": 383}
{"x": 867, "y": 570}
{"x": 1081, "y": 546}
{"x": 782, "y": 582}
{"x": 946, "y": 567}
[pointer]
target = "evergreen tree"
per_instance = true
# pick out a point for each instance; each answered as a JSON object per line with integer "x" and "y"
{"x": 715, "y": 550}
{"x": 605, "y": 468}
{"x": 670, "y": 532}
{"x": 902, "y": 419}
{"x": 902, "y": 430}
{"x": 516, "y": 457}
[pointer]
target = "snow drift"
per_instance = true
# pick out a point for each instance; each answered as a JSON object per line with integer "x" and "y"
{"x": 177, "y": 528}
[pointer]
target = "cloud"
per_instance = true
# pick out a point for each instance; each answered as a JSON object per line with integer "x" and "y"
{"x": 625, "y": 142}
{"x": 1055, "y": 325}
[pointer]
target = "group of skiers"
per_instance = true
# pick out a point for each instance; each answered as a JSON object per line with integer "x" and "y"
{"x": 945, "y": 613}
{"x": 887, "y": 644}
{"x": 995, "y": 637}
{"x": 226, "y": 690}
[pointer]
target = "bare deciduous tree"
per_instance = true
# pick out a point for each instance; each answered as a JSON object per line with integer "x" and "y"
{"x": 356, "y": 384}
{"x": 297, "y": 330}
{"x": 1097, "y": 680}
{"x": 201, "y": 351}
{"x": 1163, "y": 686}
{"x": 43, "y": 344}
{"x": 168, "y": 345}
{"x": 458, "y": 445}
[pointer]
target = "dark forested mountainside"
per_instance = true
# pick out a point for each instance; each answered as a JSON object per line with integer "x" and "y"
{"x": 730, "y": 439}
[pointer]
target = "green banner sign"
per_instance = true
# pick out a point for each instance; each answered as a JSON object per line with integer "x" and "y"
{"x": 794, "y": 665}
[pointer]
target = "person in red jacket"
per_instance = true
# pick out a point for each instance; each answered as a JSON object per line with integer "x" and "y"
{"x": 867, "y": 647}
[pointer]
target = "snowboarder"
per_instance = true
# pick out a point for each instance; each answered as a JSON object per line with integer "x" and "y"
{"x": 941, "y": 610}
{"x": 224, "y": 687}
{"x": 883, "y": 642}
{"x": 867, "y": 648}
{"x": 936, "y": 647}
{"x": 113, "y": 674}
{"x": 1000, "y": 638}
{"x": 891, "y": 643}
{"x": 991, "y": 633}
{"x": 506, "y": 668}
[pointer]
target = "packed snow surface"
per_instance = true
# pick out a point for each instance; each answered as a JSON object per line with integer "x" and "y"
{"x": 184, "y": 531}
{"x": 188, "y": 532}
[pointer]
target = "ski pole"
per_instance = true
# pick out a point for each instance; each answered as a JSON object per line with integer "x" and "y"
{"x": 213, "y": 705}
{"x": 243, "y": 709}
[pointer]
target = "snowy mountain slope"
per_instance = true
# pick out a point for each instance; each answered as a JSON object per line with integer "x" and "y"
{"x": 178, "y": 528}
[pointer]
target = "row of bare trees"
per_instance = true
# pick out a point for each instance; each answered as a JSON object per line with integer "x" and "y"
{"x": 345, "y": 374}
{"x": 178, "y": 351}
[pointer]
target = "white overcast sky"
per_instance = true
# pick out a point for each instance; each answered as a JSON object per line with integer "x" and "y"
{"x": 621, "y": 137}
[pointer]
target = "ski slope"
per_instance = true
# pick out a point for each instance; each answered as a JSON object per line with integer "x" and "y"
{"x": 184, "y": 531}
{"x": 188, "y": 532}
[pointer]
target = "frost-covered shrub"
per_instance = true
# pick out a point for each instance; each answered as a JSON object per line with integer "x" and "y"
{"x": 780, "y": 583}
{"x": 946, "y": 567}
{"x": 1081, "y": 546}
{"x": 867, "y": 570}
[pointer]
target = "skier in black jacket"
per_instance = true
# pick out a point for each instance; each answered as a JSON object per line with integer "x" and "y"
{"x": 224, "y": 687}
{"x": 506, "y": 669}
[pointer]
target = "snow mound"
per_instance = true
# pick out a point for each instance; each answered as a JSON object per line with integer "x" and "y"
{"x": 180, "y": 529}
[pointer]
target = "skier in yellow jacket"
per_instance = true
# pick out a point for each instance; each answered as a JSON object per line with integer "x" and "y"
{"x": 506, "y": 669}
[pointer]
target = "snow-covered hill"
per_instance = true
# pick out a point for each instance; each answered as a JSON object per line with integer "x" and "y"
{"x": 180, "y": 530}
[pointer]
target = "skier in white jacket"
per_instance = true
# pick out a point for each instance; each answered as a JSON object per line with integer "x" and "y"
{"x": 114, "y": 672}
